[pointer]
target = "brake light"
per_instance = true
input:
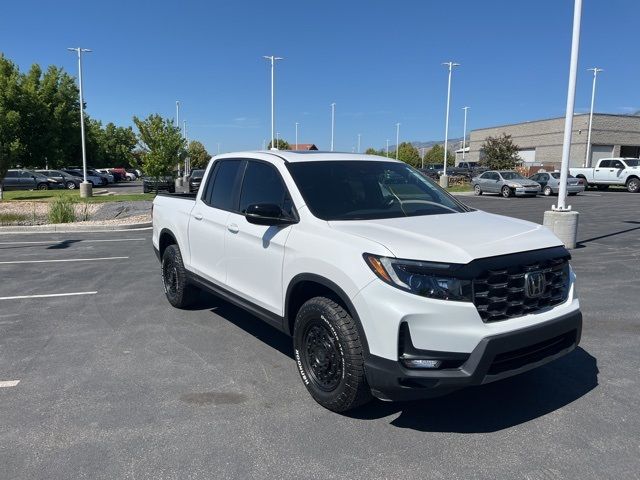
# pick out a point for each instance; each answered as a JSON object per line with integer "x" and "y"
{"x": 580, "y": 182}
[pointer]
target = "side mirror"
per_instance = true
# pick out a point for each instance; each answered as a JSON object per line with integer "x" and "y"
{"x": 267, "y": 214}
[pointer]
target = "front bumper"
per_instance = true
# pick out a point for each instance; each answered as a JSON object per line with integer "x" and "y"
{"x": 526, "y": 191}
{"x": 495, "y": 357}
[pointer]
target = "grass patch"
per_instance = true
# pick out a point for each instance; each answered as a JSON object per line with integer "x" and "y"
{"x": 72, "y": 195}
{"x": 460, "y": 188}
{"x": 11, "y": 218}
{"x": 62, "y": 210}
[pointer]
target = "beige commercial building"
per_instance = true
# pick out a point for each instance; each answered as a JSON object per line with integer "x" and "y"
{"x": 540, "y": 141}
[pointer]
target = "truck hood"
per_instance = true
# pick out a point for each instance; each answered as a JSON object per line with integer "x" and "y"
{"x": 454, "y": 238}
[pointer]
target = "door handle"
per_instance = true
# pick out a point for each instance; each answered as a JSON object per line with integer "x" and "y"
{"x": 233, "y": 228}
{"x": 197, "y": 216}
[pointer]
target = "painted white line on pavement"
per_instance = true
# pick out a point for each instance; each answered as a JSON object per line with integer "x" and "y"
{"x": 8, "y": 383}
{"x": 46, "y": 242}
{"x": 48, "y": 295}
{"x": 64, "y": 260}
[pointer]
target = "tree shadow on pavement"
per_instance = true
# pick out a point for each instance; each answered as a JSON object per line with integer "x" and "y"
{"x": 499, "y": 405}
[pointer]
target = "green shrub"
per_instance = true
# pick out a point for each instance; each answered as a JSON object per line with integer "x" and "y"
{"x": 11, "y": 218}
{"x": 61, "y": 210}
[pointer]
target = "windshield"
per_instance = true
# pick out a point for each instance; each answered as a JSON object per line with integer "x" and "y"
{"x": 632, "y": 163}
{"x": 197, "y": 173}
{"x": 365, "y": 190}
{"x": 512, "y": 176}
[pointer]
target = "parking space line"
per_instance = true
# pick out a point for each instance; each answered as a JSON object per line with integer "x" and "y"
{"x": 8, "y": 383}
{"x": 64, "y": 260}
{"x": 45, "y": 242}
{"x": 48, "y": 295}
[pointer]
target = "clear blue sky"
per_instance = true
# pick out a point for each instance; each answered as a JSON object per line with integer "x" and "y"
{"x": 378, "y": 60}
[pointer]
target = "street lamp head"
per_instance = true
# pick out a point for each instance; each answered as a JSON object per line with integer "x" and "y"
{"x": 595, "y": 70}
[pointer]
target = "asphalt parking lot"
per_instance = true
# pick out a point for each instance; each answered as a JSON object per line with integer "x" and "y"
{"x": 114, "y": 383}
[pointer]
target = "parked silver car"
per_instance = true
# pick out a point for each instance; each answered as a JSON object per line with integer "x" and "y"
{"x": 504, "y": 182}
{"x": 550, "y": 183}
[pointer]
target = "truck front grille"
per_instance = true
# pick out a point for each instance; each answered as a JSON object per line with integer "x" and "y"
{"x": 500, "y": 294}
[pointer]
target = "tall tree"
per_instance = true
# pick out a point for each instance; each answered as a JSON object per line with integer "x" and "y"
{"x": 499, "y": 153}
{"x": 162, "y": 144}
{"x": 198, "y": 155}
{"x": 436, "y": 156}
{"x": 11, "y": 146}
{"x": 409, "y": 154}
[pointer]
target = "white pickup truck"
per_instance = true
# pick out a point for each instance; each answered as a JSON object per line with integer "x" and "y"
{"x": 611, "y": 171}
{"x": 388, "y": 285}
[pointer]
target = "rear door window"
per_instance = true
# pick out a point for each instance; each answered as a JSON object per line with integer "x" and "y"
{"x": 223, "y": 192}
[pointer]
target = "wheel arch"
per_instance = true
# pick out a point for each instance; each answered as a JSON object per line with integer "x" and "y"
{"x": 305, "y": 286}
{"x": 165, "y": 239}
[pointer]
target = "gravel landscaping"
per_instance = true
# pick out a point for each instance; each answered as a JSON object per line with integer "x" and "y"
{"x": 35, "y": 213}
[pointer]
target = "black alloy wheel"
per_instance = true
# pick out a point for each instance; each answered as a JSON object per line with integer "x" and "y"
{"x": 321, "y": 356}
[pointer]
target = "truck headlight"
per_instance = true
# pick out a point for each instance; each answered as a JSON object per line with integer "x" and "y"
{"x": 427, "y": 279}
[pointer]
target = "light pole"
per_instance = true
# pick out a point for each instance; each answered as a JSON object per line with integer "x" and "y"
{"x": 277, "y": 139}
{"x": 273, "y": 60}
{"x": 218, "y": 148}
{"x": 464, "y": 132}
{"x": 177, "y": 124}
{"x": 333, "y": 122}
{"x": 397, "y": 139}
{"x": 359, "y": 142}
{"x": 422, "y": 152}
{"x": 85, "y": 188}
{"x": 297, "y": 124}
{"x": 561, "y": 220}
{"x": 387, "y": 147}
{"x": 595, "y": 70}
{"x": 187, "y": 167}
{"x": 444, "y": 180}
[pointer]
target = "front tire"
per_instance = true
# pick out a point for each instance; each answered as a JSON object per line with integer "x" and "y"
{"x": 71, "y": 185}
{"x": 633, "y": 185}
{"x": 506, "y": 192}
{"x": 179, "y": 292}
{"x": 330, "y": 355}
{"x": 547, "y": 191}
{"x": 477, "y": 190}
{"x": 43, "y": 186}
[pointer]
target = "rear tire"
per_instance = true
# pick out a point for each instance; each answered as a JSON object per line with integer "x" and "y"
{"x": 330, "y": 355}
{"x": 177, "y": 288}
{"x": 506, "y": 192}
{"x": 43, "y": 186}
{"x": 633, "y": 185}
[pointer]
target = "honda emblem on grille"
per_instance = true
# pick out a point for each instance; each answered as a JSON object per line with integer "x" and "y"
{"x": 534, "y": 283}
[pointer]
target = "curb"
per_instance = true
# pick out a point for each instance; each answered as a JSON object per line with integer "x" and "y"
{"x": 73, "y": 228}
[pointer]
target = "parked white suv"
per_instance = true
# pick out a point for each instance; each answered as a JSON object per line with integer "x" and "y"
{"x": 388, "y": 285}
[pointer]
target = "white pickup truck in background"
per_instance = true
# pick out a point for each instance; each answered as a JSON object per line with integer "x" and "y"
{"x": 611, "y": 171}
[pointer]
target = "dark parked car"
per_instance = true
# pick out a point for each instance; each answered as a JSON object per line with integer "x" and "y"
{"x": 25, "y": 180}
{"x": 465, "y": 169}
{"x": 67, "y": 180}
{"x": 152, "y": 184}
{"x": 195, "y": 179}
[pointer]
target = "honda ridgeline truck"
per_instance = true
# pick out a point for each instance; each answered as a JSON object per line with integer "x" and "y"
{"x": 388, "y": 285}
